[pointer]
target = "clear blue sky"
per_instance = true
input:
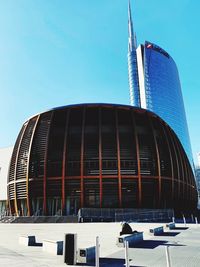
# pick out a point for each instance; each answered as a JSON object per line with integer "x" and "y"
{"x": 60, "y": 52}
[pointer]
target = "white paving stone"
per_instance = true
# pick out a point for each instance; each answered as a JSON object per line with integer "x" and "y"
{"x": 184, "y": 247}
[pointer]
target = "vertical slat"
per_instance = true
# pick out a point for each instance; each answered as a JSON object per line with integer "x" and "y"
{"x": 171, "y": 160}
{"x": 82, "y": 157}
{"x": 100, "y": 161}
{"x": 28, "y": 161}
{"x": 181, "y": 179}
{"x": 64, "y": 160}
{"x": 12, "y": 171}
{"x": 118, "y": 160}
{"x": 138, "y": 161}
{"x": 15, "y": 177}
{"x": 45, "y": 168}
{"x": 180, "y": 166}
{"x": 177, "y": 163}
{"x": 186, "y": 175}
{"x": 158, "y": 159}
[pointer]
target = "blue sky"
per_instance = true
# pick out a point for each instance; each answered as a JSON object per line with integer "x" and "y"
{"x": 60, "y": 52}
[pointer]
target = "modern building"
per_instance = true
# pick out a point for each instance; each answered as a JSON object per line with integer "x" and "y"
{"x": 132, "y": 64}
{"x": 5, "y": 156}
{"x": 159, "y": 86}
{"x": 197, "y": 176}
{"x": 198, "y": 159}
{"x": 98, "y": 155}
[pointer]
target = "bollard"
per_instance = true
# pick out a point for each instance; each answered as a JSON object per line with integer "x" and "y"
{"x": 126, "y": 255}
{"x": 196, "y": 220}
{"x": 184, "y": 220}
{"x": 168, "y": 256}
{"x": 70, "y": 248}
{"x": 192, "y": 217}
{"x": 97, "y": 252}
{"x": 173, "y": 219}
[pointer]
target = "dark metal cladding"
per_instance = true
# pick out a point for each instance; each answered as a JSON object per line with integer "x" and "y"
{"x": 98, "y": 155}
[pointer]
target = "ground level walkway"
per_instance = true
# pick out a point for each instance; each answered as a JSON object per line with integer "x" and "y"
{"x": 184, "y": 244}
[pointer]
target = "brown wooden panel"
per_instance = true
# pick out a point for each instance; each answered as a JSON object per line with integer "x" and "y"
{"x": 118, "y": 160}
{"x": 64, "y": 160}
{"x": 45, "y": 167}
{"x": 27, "y": 173}
{"x": 82, "y": 158}
{"x": 138, "y": 162}
{"x": 100, "y": 160}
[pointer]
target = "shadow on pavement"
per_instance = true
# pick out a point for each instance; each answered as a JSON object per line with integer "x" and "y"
{"x": 181, "y": 228}
{"x": 149, "y": 244}
{"x": 111, "y": 262}
{"x": 37, "y": 245}
{"x": 174, "y": 244}
{"x": 169, "y": 234}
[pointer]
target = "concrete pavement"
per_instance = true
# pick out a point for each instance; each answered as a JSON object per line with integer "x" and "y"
{"x": 184, "y": 244}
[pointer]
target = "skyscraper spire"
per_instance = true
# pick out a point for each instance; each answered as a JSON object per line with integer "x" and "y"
{"x": 132, "y": 63}
{"x": 131, "y": 39}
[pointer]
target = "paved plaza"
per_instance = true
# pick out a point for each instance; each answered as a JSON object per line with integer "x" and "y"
{"x": 184, "y": 244}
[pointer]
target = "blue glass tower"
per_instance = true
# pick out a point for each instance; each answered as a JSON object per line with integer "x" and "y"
{"x": 163, "y": 92}
{"x": 132, "y": 64}
{"x": 154, "y": 85}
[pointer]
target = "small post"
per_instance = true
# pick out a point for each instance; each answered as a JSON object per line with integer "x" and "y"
{"x": 173, "y": 219}
{"x": 97, "y": 252}
{"x": 192, "y": 217}
{"x": 184, "y": 220}
{"x": 126, "y": 255}
{"x": 196, "y": 220}
{"x": 168, "y": 256}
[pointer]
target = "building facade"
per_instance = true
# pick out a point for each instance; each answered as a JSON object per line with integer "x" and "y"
{"x": 159, "y": 88}
{"x": 198, "y": 159}
{"x": 162, "y": 91}
{"x": 5, "y": 156}
{"x": 98, "y": 155}
{"x": 132, "y": 64}
{"x": 197, "y": 176}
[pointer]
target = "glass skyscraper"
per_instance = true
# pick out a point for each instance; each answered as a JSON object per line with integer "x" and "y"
{"x": 159, "y": 88}
{"x": 132, "y": 64}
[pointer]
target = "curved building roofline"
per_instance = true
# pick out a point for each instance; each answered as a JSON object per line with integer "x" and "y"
{"x": 138, "y": 109}
{"x": 94, "y": 105}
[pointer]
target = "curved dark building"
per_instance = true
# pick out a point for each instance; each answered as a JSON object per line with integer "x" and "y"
{"x": 98, "y": 155}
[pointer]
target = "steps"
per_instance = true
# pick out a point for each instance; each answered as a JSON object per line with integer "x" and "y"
{"x": 39, "y": 219}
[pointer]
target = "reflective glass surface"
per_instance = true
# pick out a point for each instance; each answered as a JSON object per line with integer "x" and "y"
{"x": 163, "y": 92}
{"x": 133, "y": 79}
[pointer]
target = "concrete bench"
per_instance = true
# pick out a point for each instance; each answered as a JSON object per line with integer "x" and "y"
{"x": 156, "y": 231}
{"x": 54, "y": 247}
{"x": 27, "y": 240}
{"x": 130, "y": 238}
{"x": 171, "y": 225}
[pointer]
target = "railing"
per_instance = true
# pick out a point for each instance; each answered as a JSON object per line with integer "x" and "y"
{"x": 117, "y": 215}
{"x": 145, "y": 215}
